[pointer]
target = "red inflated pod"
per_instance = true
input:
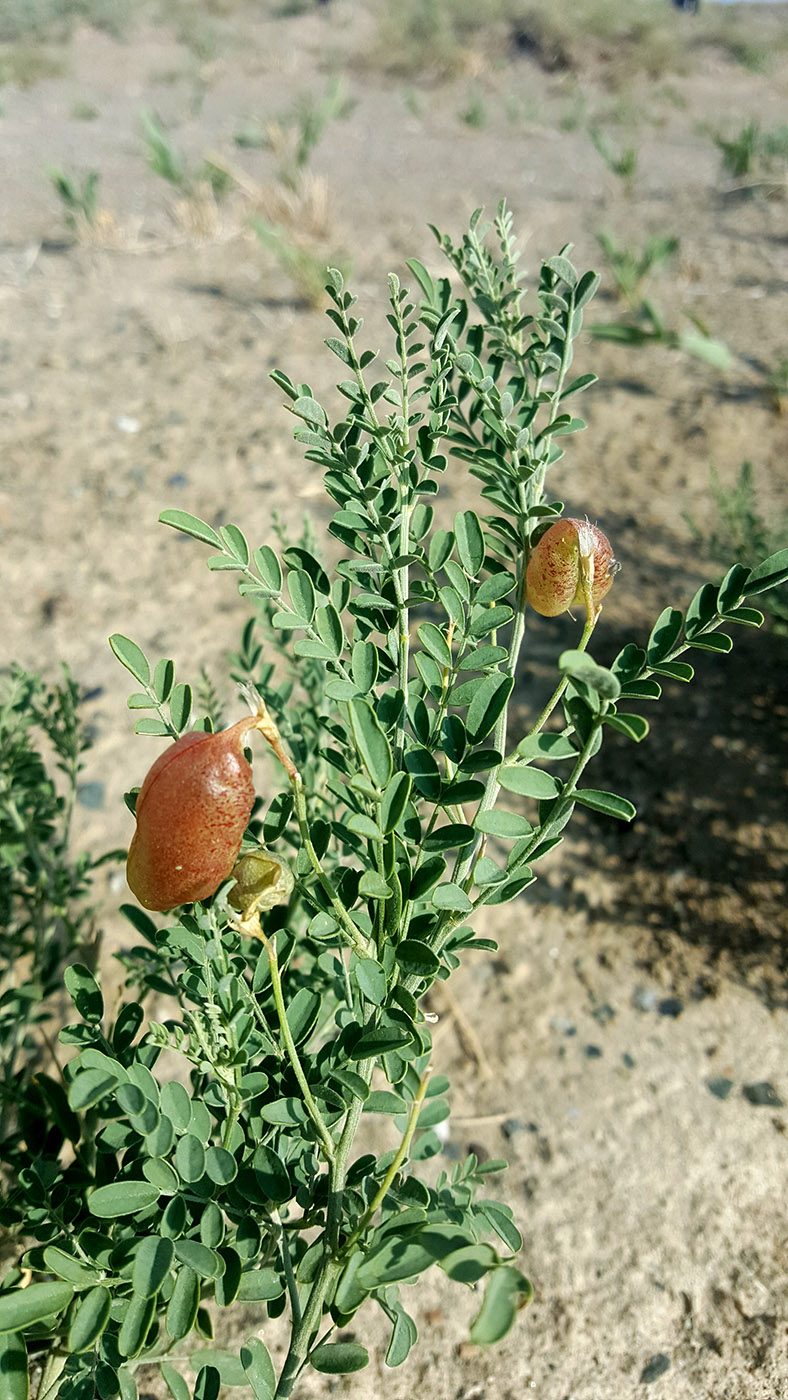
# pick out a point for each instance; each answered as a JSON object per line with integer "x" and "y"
{"x": 192, "y": 811}
{"x": 572, "y": 562}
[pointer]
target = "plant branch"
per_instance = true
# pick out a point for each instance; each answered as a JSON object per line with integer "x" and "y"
{"x": 252, "y": 928}
{"x": 401, "y": 1154}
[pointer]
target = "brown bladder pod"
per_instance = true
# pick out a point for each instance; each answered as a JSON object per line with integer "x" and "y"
{"x": 192, "y": 811}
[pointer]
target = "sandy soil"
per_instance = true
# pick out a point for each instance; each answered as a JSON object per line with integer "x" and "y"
{"x": 650, "y": 963}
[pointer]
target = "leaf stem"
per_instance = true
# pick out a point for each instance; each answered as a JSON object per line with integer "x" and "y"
{"x": 352, "y": 933}
{"x": 292, "y": 1286}
{"x": 252, "y": 928}
{"x": 54, "y": 1367}
{"x": 591, "y": 619}
{"x": 401, "y": 1154}
{"x": 331, "y": 1264}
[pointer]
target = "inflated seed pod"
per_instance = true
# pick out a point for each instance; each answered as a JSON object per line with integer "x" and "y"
{"x": 192, "y": 811}
{"x": 570, "y": 557}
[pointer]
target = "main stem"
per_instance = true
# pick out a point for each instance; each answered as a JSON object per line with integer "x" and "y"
{"x": 54, "y": 1367}
{"x": 332, "y": 1263}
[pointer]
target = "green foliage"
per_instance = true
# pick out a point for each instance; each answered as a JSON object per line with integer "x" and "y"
{"x": 79, "y": 200}
{"x": 758, "y": 158}
{"x": 26, "y": 63}
{"x": 304, "y": 268}
{"x": 162, "y": 155}
{"x": 622, "y": 163}
{"x": 54, "y": 19}
{"x": 474, "y": 113}
{"x": 211, "y": 1156}
{"x": 777, "y": 386}
{"x": 739, "y": 151}
{"x": 432, "y": 36}
{"x": 296, "y": 135}
{"x": 45, "y": 915}
{"x": 310, "y": 118}
{"x": 740, "y": 530}
{"x": 645, "y": 326}
{"x": 630, "y": 267}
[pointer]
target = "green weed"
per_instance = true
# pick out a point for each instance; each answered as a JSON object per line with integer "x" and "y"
{"x": 45, "y": 914}
{"x": 738, "y": 154}
{"x": 163, "y": 156}
{"x": 740, "y": 527}
{"x": 432, "y": 37}
{"x": 84, "y": 112}
{"x": 622, "y": 163}
{"x": 295, "y": 135}
{"x": 79, "y": 199}
{"x": 22, "y": 20}
{"x": 757, "y": 159}
{"x": 305, "y": 269}
{"x": 630, "y": 267}
{"x": 474, "y": 113}
{"x": 777, "y": 387}
{"x": 646, "y": 326}
{"x": 310, "y": 118}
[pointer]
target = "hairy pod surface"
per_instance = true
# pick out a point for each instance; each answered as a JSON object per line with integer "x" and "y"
{"x": 567, "y": 553}
{"x": 192, "y": 811}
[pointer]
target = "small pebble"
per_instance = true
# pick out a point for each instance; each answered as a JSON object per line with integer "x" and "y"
{"x": 603, "y": 1014}
{"x": 670, "y": 1006}
{"x": 593, "y": 1052}
{"x": 564, "y": 1027}
{"x": 511, "y": 1127}
{"x": 178, "y": 479}
{"x": 763, "y": 1095}
{"x": 655, "y": 1368}
{"x": 127, "y": 425}
{"x": 628, "y": 1060}
{"x": 720, "y": 1088}
{"x": 643, "y": 999}
{"x": 91, "y": 795}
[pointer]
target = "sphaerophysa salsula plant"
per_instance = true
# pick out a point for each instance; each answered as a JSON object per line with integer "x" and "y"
{"x": 45, "y": 912}
{"x": 406, "y": 801}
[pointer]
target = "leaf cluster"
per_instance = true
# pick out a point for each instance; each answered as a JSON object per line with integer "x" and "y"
{"x": 45, "y": 913}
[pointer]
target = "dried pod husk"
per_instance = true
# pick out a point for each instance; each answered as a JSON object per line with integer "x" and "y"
{"x": 572, "y": 561}
{"x": 192, "y": 811}
{"x": 261, "y": 881}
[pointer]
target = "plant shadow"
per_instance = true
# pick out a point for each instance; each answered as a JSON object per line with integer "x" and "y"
{"x": 697, "y": 879}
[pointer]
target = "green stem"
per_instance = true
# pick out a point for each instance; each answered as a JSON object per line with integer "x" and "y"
{"x": 331, "y": 1265}
{"x": 353, "y": 935}
{"x": 492, "y": 786}
{"x": 591, "y": 619}
{"x": 292, "y": 1286}
{"x": 338, "y": 1171}
{"x": 49, "y": 1384}
{"x": 402, "y": 575}
{"x": 543, "y": 833}
{"x": 402, "y": 1153}
{"x": 303, "y": 1333}
{"x": 292, "y": 1053}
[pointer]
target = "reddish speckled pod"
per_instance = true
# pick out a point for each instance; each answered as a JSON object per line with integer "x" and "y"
{"x": 571, "y": 555}
{"x": 192, "y": 811}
